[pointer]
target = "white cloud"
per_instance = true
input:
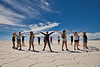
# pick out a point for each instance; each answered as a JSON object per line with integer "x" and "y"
{"x": 36, "y": 28}
{"x": 41, "y": 24}
{"x": 93, "y": 35}
{"x": 9, "y": 18}
{"x": 14, "y": 12}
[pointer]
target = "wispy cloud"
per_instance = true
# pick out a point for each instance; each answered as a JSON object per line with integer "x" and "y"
{"x": 46, "y": 6}
{"x": 36, "y": 27}
{"x": 46, "y": 3}
{"x": 9, "y": 18}
{"x": 13, "y": 13}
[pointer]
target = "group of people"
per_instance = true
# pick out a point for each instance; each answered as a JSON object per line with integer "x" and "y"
{"x": 46, "y": 39}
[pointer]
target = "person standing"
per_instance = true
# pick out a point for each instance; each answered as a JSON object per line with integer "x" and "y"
{"x": 76, "y": 40}
{"x": 19, "y": 40}
{"x": 13, "y": 40}
{"x": 31, "y": 40}
{"x": 23, "y": 40}
{"x": 71, "y": 39}
{"x": 64, "y": 37}
{"x": 38, "y": 40}
{"x": 51, "y": 40}
{"x": 84, "y": 40}
{"x": 47, "y": 39}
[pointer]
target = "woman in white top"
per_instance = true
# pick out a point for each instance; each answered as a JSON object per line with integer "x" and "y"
{"x": 31, "y": 40}
{"x": 76, "y": 40}
{"x": 64, "y": 38}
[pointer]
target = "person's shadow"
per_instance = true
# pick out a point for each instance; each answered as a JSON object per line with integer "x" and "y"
{"x": 91, "y": 49}
{"x": 74, "y": 52}
{"x": 53, "y": 52}
{"x": 35, "y": 51}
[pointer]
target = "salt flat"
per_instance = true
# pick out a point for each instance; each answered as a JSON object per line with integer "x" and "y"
{"x": 74, "y": 58}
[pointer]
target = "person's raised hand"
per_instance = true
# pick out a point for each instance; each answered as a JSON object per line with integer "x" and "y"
{"x": 71, "y": 29}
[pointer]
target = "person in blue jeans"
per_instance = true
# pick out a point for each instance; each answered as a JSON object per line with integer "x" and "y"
{"x": 84, "y": 40}
{"x": 47, "y": 40}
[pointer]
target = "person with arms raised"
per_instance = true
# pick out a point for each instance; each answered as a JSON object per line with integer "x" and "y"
{"x": 64, "y": 37}
{"x": 31, "y": 40}
{"x": 47, "y": 39}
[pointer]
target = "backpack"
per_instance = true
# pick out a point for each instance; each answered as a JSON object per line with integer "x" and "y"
{"x": 63, "y": 35}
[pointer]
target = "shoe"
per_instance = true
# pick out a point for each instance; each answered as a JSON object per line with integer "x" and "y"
{"x": 86, "y": 47}
{"x": 16, "y": 48}
{"x": 33, "y": 50}
{"x": 43, "y": 49}
{"x": 78, "y": 49}
{"x": 20, "y": 49}
{"x": 67, "y": 49}
{"x": 13, "y": 47}
{"x": 74, "y": 49}
{"x": 28, "y": 49}
{"x": 62, "y": 49}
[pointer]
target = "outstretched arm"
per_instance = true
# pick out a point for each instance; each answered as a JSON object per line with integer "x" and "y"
{"x": 81, "y": 32}
{"x": 58, "y": 32}
{"x": 36, "y": 33}
{"x": 23, "y": 33}
{"x": 27, "y": 34}
{"x": 16, "y": 33}
{"x": 72, "y": 32}
{"x": 78, "y": 32}
{"x": 42, "y": 33}
{"x": 68, "y": 31}
{"x": 51, "y": 32}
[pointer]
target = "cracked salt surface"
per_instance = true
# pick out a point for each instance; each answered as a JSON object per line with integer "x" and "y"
{"x": 74, "y": 58}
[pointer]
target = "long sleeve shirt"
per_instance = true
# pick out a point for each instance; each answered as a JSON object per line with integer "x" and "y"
{"x": 47, "y": 35}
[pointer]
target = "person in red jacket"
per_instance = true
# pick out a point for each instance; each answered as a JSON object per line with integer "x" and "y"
{"x": 51, "y": 39}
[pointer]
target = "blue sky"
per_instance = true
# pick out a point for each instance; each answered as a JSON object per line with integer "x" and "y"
{"x": 49, "y": 15}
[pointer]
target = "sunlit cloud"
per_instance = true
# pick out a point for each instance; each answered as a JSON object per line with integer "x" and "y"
{"x": 36, "y": 27}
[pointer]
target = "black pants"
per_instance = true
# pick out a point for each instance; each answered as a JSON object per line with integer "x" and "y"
{"x": 38, "y": 42}
{"x": 48, "y": 44}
